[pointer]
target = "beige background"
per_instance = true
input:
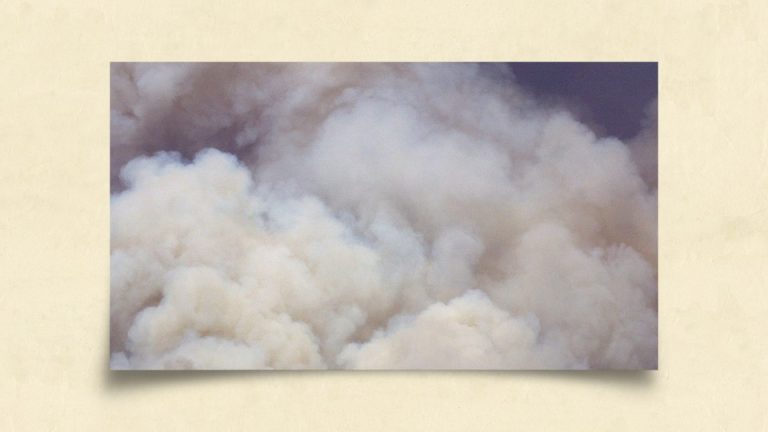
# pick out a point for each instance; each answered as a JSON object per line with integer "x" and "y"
{"x": 54, "y": 214}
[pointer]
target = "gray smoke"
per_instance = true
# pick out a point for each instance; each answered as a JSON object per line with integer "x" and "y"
{"x": 373, "y": 216}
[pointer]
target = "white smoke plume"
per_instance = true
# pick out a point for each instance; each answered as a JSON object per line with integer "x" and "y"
{"x": 383, "y": 216}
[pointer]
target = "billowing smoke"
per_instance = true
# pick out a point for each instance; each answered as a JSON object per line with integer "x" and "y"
{"x": 373, "y": 216}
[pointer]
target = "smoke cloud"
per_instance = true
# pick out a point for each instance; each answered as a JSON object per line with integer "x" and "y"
{"x": 378, "y": 216}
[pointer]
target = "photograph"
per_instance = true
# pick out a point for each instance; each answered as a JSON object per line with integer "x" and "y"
{"x": 383, "y": 216}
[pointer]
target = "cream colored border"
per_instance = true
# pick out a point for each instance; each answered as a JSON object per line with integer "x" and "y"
{"x": 54, "y": 132}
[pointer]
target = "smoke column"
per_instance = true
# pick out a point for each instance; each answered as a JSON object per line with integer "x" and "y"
{"x": 380, "y": 216}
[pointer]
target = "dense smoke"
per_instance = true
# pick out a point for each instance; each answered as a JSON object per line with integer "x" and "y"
{"x": 373, "y": 216}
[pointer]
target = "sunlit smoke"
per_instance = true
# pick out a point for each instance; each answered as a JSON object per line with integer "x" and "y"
{"x": 385, "y": 216}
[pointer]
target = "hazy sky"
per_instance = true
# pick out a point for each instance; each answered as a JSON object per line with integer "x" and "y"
{"x": 614, "y": 95}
